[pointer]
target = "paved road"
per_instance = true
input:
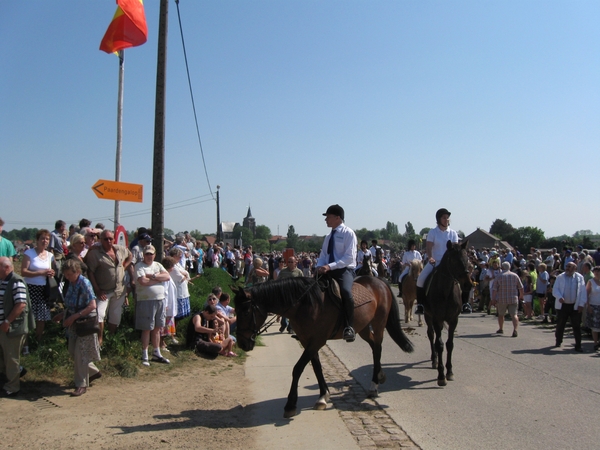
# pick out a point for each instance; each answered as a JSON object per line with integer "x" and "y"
{"x": 508, "y": 393}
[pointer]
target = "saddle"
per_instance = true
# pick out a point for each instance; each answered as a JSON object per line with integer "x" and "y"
{"x": 359, "y": 293}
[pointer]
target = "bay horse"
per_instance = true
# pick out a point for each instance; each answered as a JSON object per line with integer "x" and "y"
{"x": 367, "y": 266}
{"x": 317, "y": 317}
{"x": 446, "y": 287}
{"x": 409, "y": 290}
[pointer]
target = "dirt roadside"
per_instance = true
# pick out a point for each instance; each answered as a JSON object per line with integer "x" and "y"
{"x": 199, "y": 405}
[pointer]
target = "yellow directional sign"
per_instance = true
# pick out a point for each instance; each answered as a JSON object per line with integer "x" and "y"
{"x": 115, "y": 190}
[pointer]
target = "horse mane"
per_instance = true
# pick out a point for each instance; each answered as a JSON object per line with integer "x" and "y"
{"x": 415, "y": 267}
{"x": 287, "y": 292}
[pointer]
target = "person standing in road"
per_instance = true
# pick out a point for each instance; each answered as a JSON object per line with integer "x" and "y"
{"x": 506, "y": 293}
{"x": 338, "y": 260}
{"x": 571, "y": 297}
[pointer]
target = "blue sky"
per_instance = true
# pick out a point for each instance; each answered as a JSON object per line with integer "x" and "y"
{"x": 392, "y": 109}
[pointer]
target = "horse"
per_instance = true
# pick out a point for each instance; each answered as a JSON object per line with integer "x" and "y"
{"x": 381, "y": 267}
{"x": 367, "y": 266}
{"x": 316, "y": 317}
{"x": 409, "y": 290}
{"x": 445, "y": 288}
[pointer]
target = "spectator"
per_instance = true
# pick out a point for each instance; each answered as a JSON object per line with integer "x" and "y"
{"x": 593, "y": 305}
{"x": 15, "y": 321}
{"x": 506, "y": 293}
{"x": 571, "y": 297}
{"x": 6, "y": 247}
{"x": 150, "y": 310}
{"x": 37, "y": 265}
{"x": 56, "y": 243}
{"x": 169, "y": 330}
{"x": 80, "y": 301}
{"x": 201, "y": 330}
{"x": 107, "y": 264}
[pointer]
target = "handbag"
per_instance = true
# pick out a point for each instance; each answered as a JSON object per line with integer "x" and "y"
{"x": 51, "y": 290}
{"x": 86, "y": 325}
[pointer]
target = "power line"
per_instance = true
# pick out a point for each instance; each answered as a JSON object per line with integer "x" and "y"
{"x": 187, "y": 69}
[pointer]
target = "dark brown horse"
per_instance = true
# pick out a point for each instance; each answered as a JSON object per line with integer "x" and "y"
{"x": 409, "y": 290}
{"x": 445, "y": 288}
{"x": 316, "y": 317}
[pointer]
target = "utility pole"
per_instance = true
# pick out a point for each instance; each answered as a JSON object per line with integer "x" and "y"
{"x": 218, "y": 216}
{"x": 158, "y": 174}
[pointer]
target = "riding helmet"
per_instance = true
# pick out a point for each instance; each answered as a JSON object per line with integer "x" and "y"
{"x": 440, "y": 213}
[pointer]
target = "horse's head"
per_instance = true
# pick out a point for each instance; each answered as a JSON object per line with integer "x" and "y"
{"x": 249, "y": 319}
{"x": 458, "y": 259}
{"x": 416, "y": 267}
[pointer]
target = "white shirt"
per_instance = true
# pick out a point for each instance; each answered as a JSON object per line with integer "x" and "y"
{"x": 410, "y": 255}
{"x": 344, "y": 249}
{"x": 440, "y": 239}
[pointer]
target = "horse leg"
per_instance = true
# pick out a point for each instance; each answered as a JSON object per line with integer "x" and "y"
{"x": 290, "y": 407}
{"x": 449, "y": 348}
{"x": 323, "y": 390}
{"x": 431, "y": 336}
{"x": 439, "y": 347}
{"x": 374, "y": 340}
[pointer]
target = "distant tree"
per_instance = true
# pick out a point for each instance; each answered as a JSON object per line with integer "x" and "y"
{"x": 280, "y": 246}
{"x": 526, "y": 237}
{"x": 502, "y": 229}
{"x": 244, "y": 233}
{"x": 260, "y": 245}
{"x": 391, "y": 228}
{"x": 424, "y": 231}
{"x": 196, "y": 234}
{"x": 409, "y": 232}
{"x": 168, "y": 232}
{"x": 292, "y": 237}
{"x": 582, "y": 233}
{"x": 262, "y": 232}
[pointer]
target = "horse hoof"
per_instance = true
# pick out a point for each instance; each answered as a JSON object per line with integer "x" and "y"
{"x": 450, "y": 377}
{"x": 289, "y": 413}
{"x": 442, "y": 383}
{"x": 420, "y": 323}
{"x": 320, "y": 405}
{"x": 381, "y": 377}
{"x": 373, "y": 394}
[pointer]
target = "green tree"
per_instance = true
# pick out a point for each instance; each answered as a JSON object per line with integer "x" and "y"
{"x": 244, "y": 233}
{"x": 424, "y": 231}
{"x": 263, "y": 232}
{"x": 502, "y": 229}
{"x": 292, "y": 237}
{"x": 526, "y": 237}
{"x": 260, "y": 245}
{"x": 280, "y": 246}
{"x": 196, "y": 234}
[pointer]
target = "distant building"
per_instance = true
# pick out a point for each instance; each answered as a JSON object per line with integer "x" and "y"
{"x": 249, "y": 222}
{"x": 482, "y": 239}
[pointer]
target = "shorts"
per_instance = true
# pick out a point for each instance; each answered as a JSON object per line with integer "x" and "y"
{"x": 540, "y": 294}
{"x": 149, "y": 314}
{"x": 114, "y": 306}
{"x": 528, "y": 298}
{"x": 502, "y": 307}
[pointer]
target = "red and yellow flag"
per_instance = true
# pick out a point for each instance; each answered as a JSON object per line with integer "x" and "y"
{"x": 128, "y": 27}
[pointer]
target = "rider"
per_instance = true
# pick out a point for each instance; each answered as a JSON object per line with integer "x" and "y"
{"x": 437, "y": 239}
{"x": 363, "y": 252}
{"x": 338, "y": 260}
{"x": 409, "y": 256}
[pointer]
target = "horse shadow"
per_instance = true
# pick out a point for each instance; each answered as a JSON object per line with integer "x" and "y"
{"x": 268, "y": 412}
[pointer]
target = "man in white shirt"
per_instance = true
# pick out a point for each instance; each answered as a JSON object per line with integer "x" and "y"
{"x": 437, "y": 239}
{"x": 571, "y": 296}
{"x": 338, "y": 261}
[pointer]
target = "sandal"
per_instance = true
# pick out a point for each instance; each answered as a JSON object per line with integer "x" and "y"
{"x": 231, "y": 354}
{"x": 145, "y": 362}
{"x": 160, "y": 359}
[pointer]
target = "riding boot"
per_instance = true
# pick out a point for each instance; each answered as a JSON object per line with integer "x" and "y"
{"x": 349, "y": 334}
{"x": 399, "y": 288}
{"x": 421, "y": 297}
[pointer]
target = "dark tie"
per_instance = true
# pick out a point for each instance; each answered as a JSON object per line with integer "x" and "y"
{"x": 330, "y": 246}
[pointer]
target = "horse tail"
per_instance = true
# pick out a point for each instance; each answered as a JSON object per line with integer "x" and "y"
{"x": 393, "y": 326}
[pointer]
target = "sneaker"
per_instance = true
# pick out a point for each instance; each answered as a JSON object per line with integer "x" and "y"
{"x": 545, "y": 320}
{"x": 500, "y": 332}
{"x": 349, "y": 335}
{"x": 174, "y": 340}
{"x": 6, "y": 393}
{"x": 160, "y": 359}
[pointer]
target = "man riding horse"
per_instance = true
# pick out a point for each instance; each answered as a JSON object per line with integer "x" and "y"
{"x": 437, "y": 238}
{"x": 338, "y": 260}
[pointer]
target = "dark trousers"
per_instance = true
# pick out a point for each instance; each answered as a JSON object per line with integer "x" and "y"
{"x": 345, "y": 278}
{"x": 566, "y": 312}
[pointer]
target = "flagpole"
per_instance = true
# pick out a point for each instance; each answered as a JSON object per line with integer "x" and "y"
{"x": 119, "y": 132}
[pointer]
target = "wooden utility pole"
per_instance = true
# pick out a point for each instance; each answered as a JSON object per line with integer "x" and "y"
{"x": 158, "y": 174}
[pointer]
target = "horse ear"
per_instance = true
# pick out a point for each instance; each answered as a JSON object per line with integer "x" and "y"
{"x": 448, "y": 244}
{"x": 465, "y": 244}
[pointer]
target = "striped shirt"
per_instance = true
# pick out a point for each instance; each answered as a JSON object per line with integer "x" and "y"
{"x": 508, "y": 288}
{"x": 19, "y": 294}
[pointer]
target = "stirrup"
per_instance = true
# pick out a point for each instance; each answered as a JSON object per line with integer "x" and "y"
{"x": 349, "y": 334}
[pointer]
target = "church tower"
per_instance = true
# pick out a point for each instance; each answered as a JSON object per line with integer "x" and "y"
{"x": 249, "y": 222}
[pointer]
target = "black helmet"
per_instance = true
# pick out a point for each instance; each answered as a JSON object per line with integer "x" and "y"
{"x": 440, "y": 213}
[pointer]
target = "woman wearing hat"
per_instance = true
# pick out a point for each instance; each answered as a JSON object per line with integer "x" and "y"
{"x": 437, "y": 238}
